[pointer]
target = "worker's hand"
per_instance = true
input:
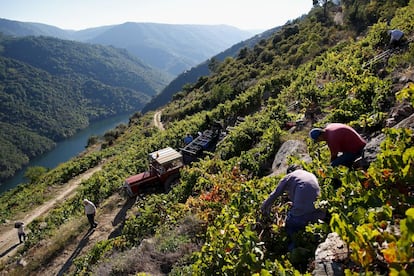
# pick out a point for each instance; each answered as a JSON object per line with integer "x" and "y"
{"x": 266, "y": 206}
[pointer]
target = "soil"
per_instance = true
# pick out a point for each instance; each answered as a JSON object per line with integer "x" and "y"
{"x": 157, "y": 120}
{"x": 110, "y": 218}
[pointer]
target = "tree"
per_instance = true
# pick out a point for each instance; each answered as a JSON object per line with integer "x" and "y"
{"x": 322, "y": 3}
{"x": 92, "y": 140}
{"x": 35, "y": 173}
{"x": 213, "y": 65}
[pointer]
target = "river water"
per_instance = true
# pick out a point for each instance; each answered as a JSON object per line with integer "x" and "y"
{"x": 66, "y": 149}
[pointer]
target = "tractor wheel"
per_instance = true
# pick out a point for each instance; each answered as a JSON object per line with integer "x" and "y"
{"x": 123, "y": 192}
{"x": 171, "y": 182}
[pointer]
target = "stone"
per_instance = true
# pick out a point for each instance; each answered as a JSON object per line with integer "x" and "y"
{"x": 295, "y": 148}
{"x": 329, "y": 256}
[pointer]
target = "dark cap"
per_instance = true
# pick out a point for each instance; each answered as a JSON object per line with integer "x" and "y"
{"x": 315, "y": 133}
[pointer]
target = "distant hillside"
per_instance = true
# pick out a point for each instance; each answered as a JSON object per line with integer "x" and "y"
{"x": 170, "y": 48}
{"x": 16, "y": 28}
{"x": 108, "y": 65}
{"x": 51, "y": 88}
{"x": 192, "y": 75}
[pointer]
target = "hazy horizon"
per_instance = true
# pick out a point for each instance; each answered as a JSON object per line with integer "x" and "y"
{"x": 80, "y": 14}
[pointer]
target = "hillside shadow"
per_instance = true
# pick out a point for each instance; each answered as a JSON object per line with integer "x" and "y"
{"x": 120, "y": 217}
{"x": 81, "y": 245}
{"x": 4, "y": 253}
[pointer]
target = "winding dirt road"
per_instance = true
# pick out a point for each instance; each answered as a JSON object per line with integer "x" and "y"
{"x": 157, "y": 120}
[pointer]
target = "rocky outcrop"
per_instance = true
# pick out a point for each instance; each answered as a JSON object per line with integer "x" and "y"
{"x": 294, "y": 148}
{"x": 330, "y": 255}
{"x": 398, "y": 113}
{"x": 373, "y": 146}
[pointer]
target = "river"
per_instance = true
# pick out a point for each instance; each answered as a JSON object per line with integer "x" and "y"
{"x": 65, "y": 149}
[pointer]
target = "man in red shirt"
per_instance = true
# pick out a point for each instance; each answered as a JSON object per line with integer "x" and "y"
{"x": 343, "y": 141}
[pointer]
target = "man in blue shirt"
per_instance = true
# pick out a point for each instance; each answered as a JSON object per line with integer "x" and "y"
{"x": 396, "y": 37}
{"x": 303, "y": 189}
{"x": 188, "y": 139}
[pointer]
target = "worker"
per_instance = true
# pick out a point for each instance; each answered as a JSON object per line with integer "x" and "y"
{"x": 344, "y": 143}
{"x": 20, "y": 231}
{"x": 90, "y": 211}
{"x": 396, "y": 38}
{"x": 188, "y": 139}
{"x": 303, "y": 189}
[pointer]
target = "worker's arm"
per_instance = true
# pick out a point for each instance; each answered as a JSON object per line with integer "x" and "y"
{"x": 333, "y": 157}
{"x": 267, "y": 204}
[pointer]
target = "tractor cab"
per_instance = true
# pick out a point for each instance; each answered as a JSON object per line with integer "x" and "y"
{"x": 164, "y": 169}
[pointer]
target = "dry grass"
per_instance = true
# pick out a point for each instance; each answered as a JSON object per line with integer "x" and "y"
{"x": 46, "y": 250}
{"x": 154, "y": 256}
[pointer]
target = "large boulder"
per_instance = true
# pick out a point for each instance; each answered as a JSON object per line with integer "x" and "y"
{"x": 407, "y": 123}
{"x": 296, "y": 148}
{"x": 330, "y": 255}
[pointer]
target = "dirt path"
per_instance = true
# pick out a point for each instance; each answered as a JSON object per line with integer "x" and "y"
{"x": 110, "y": 218}
{"x": 9, "y": 240}
{"x": 157, "y": 120}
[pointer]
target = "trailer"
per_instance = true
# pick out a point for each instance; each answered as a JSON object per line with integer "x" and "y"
{"x": 206, "y": 141}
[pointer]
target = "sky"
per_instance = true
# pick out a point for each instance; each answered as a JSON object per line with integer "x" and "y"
{"x": 83, "y": 14}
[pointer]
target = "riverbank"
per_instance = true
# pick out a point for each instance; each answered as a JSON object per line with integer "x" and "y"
{"x": 65, "y": 150}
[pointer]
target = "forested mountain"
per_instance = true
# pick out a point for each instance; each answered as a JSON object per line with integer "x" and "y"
{"x": 332, "y": 65}
{"x": 51, "y": 88}
{"x": 167, "y": 47}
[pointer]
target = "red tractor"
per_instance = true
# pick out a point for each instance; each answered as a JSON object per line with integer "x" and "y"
{"x": 164, "y": 170}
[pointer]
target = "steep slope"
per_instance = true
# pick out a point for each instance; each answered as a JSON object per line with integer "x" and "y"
{"x": 108, "y": 65}
{"x": 210, "y": 223}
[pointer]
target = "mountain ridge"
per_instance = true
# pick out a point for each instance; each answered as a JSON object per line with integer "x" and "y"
{"x": 146, "y": 40}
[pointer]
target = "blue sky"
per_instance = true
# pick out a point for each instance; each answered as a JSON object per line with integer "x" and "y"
{"x": 82, "y": 14}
